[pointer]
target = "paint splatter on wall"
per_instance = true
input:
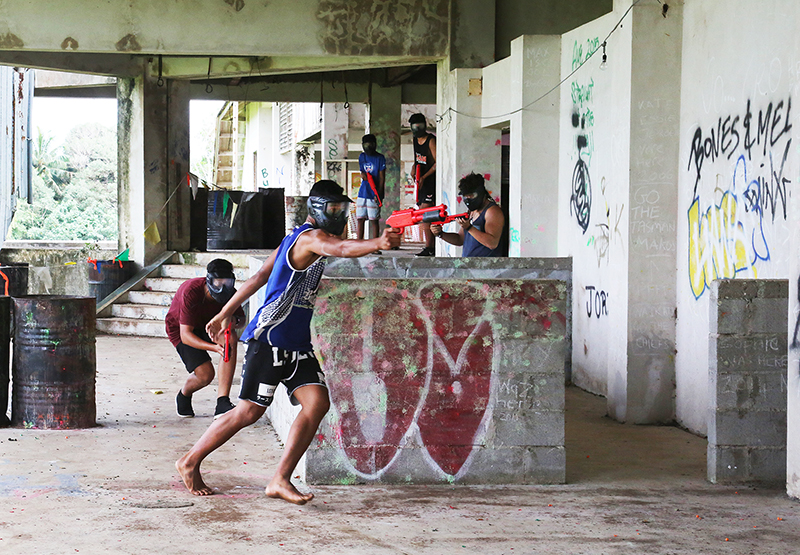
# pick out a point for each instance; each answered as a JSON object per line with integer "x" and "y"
{"x": 440, "y": 381}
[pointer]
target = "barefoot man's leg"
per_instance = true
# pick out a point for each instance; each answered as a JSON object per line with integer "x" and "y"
{"x": 218, "y": 433}
{"x": 315, "y": 404}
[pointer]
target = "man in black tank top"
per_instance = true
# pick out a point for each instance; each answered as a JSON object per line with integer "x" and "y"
{"x": 481, "y": 232}
{"x": 424, "y": 172}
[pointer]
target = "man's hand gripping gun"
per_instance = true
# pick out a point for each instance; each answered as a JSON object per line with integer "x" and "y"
{"x": 400, "y": 219}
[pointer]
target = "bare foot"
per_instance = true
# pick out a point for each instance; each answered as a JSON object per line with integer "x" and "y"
{"x": 280, "y": 488}
{"x": 191, "y": 478}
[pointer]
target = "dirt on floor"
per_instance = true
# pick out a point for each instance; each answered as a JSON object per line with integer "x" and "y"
{"x": 114, "y": 489}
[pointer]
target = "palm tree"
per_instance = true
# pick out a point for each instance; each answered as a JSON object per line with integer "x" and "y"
{"x": 51, "y": 165}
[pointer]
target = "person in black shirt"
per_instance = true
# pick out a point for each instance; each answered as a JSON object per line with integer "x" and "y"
{"x": 424, "y": 172}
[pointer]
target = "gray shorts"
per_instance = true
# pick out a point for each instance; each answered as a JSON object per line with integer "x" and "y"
{"x": 266, "y": 366}
{"x": 367, "y": 208}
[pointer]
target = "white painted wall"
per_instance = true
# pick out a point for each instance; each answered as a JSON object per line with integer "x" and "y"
{"x": 595, "y": 104}
{"x": 258, "y": 145}
{"x": 734, "y": 53}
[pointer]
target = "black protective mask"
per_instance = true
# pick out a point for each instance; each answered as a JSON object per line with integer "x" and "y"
{"x": 419, "y": 130}
{"x": 369, "y": 148}
{"x": 475, "y": 202}
{"x": 221, "y": 289}
{"x": 329, "y": 214}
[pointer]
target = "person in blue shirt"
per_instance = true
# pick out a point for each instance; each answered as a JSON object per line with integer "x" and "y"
{"x": 480, "y": 233}
{"x": 278, "y": 338}
{"x": 373, "y": 179}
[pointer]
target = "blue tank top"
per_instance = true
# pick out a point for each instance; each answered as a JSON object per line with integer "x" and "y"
{"x": 284, "y": 320}
{"x": 472, "y": 247}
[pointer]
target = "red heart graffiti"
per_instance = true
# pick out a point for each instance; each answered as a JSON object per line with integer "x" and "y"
{"x": 391, "y": 333}
{"x": 461, "y": 371}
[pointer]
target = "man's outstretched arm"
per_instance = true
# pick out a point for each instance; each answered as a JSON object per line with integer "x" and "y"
{"x": 220, "y": 322}
{"x": 316, "y": 243}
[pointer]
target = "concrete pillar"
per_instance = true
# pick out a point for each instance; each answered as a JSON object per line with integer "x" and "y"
{"x": 130, "y": 167}
{"x": 747, "y": 388}
{"x": 153, "y": 158}
{"x": 384, "y": 122}
{"x": 180, "y": 195}
{"x": 335, "y": 123}
{"x": 793, "y": 376}
{"x": 653, "y": 202}
{"x": 462, "y": 145}
{"x": 302, "y": 181}
{"x": 533, "y": 178}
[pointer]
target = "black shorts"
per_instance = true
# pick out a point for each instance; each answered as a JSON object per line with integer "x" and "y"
{"x": 192, "y": 357}
{"x": 266, "y": 366}
{"x": 427, "y": 193}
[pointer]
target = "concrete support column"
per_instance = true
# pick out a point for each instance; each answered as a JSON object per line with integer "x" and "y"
{"x": 793, "y": 376}
{"x": 130, "y": 167}
{"x": 533, "y": 178}
{"x": 180, "y": 195}
{"x": 335, "y": 123}
{"x": 462, "y": 145}
{"x": 384, "y": 122}
{"x": 653, "y": 202}
{"x": 153, "y": 158}
{"x": 302, "y": 181}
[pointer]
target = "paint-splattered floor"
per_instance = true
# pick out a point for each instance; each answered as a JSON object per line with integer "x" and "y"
{"x": 113, "y": 489}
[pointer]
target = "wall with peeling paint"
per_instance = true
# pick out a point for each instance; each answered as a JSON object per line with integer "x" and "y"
{"x": 274, "y": 28}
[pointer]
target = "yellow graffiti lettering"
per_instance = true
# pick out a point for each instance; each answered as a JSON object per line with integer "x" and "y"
{"x": 717, "y": 247}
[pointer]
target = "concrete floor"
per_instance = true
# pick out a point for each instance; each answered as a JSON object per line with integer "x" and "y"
{"x": 114, "y": 489}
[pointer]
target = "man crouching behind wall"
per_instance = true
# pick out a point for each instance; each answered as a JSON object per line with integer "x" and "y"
{"x": 278, "y": 339}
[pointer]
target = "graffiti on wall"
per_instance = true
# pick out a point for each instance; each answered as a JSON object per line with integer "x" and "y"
{"x": 596, "y": 302}
{"x": 582, "y": 119}
{"x": 607, "y": 231}
{"x": 419, "y": 369}
{"x": 729, "y": 235}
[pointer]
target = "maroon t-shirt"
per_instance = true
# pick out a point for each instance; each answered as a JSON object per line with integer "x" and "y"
{"x": 191, "y": 307}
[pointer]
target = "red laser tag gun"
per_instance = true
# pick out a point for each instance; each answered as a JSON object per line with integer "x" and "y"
{"x": 400, "y": 219}
{"x": 227, "y": 356}
{"x": 374, "y": 189}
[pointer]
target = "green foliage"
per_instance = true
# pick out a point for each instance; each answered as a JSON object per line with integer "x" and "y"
{"x": 74, "y": 188}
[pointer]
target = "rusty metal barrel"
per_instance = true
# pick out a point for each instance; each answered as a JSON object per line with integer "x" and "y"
{"x": 14, "y": 278}
{"x": 5, "y": 348}
{"x": 54, "y": 362}
{"x": 105, "y": 276}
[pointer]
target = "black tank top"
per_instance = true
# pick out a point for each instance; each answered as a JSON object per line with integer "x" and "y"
{"x": 424, "y": 158}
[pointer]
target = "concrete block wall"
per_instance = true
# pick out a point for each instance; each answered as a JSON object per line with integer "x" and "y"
{"x": 465, "y": 268}
{"x": 445, "y": 380}
{"x": 747, "y": 380}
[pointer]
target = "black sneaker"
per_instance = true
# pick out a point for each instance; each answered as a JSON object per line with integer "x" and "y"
{"x": 427, "y": 251}
{"x": 184, "y": 404}
{"x": 223, "y": 405}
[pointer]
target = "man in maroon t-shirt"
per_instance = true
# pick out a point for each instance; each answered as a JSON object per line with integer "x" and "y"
{"x": 195, "y": 303}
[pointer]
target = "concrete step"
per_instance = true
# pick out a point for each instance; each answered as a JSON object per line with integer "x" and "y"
{"x": 169, "y": 285}
{"x": 150, "y": 297}
{"x": 189, "y": 271}
{"x": 131, "y": 326}
{"x": 239, "y": 259}
{"x": 139, "y": 311}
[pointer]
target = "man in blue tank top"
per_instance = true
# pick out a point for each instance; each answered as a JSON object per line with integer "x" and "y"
{"x": 278, "y": 338}
{"x": 480, "y": 233}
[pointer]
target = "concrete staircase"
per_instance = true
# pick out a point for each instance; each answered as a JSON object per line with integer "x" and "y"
{"x": 141, "y": 311}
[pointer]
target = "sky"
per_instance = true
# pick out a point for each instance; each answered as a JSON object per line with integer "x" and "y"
{"x": 57, "y": 116}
